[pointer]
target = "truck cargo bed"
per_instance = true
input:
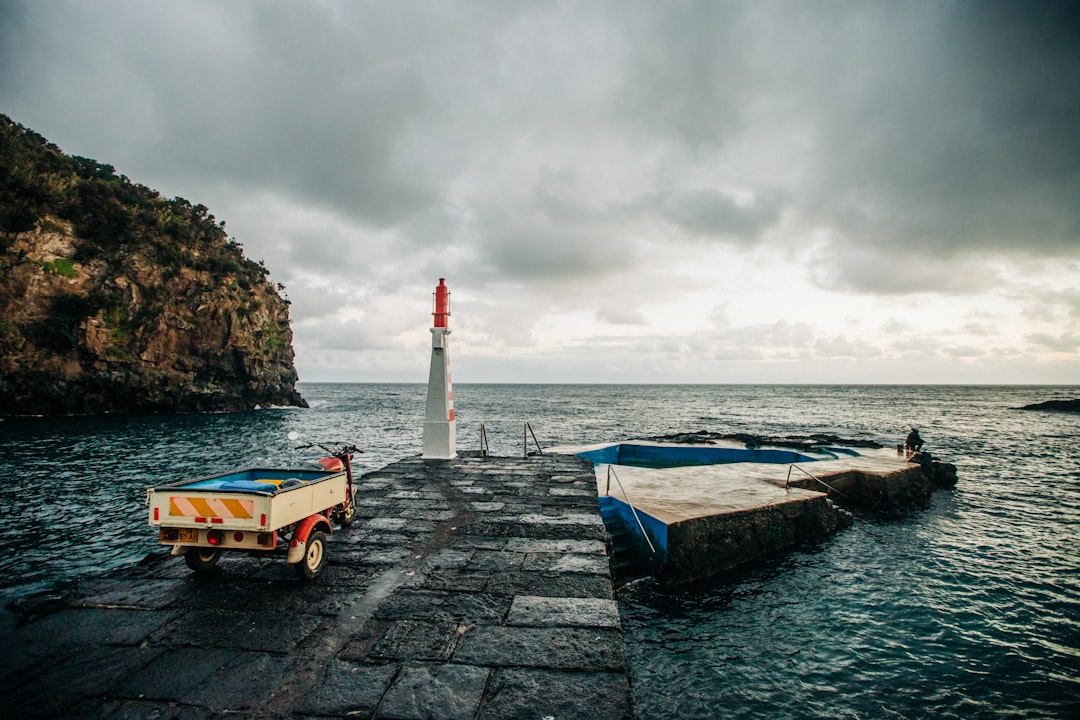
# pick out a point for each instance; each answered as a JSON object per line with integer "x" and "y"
{"x": 250, "y": 499}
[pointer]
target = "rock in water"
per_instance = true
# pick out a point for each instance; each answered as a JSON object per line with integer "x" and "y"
{"x": 114, "y": 299}
{"x": 943, "y": 474}
{"x": 1058, "y": 405}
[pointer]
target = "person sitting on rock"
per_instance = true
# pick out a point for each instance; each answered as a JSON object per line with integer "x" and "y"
{"x": 914, "y": 441}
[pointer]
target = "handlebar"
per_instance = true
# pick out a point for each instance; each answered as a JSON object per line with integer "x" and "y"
{"x": 343, "y": 450}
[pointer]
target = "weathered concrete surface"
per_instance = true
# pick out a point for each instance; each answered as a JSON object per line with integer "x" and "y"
{"x": 879, "y": 481}
{"x": 703, "y": 547}
{"x": 886, "y": 493}
{"x": 885, "y": 485}
{"x": 474, "y": 588}
{"x": 718, "y": 517}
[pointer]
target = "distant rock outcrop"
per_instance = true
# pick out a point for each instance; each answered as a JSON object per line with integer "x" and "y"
{"x": 114, "y": 299}
{"x": 1056, "y": 405}
{"x": 797, "y": 442}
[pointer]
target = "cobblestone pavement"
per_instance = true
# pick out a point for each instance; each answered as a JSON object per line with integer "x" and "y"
{"x": 474, "y": 588}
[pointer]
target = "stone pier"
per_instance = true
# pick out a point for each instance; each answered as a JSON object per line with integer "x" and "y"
{"x": 473, "y": 588}
{"x": 710, "y": 509}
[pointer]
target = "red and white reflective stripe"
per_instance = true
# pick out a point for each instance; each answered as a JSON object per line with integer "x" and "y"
{"x": 211, "y": 507}
{"x": 449, "y": 395}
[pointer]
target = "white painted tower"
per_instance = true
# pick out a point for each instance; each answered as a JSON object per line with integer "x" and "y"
{"x": 440, "y": 430}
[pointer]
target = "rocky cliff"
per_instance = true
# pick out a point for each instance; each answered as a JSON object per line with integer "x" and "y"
{"x": 115, "y": 299}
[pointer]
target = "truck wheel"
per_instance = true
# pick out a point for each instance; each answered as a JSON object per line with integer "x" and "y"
{"x": 202, "y": 559}
{"x": 314, "y": 558}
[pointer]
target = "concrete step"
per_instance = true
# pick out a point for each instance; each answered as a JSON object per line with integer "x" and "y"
{"x": 628, "y": 558}
{"x": 631, "y": 568}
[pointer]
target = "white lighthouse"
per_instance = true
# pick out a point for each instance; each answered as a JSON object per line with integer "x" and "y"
{"x": 440, "y": 431}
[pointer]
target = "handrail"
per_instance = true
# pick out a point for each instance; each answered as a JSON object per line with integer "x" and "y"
{"x": 525, "y": 431}
{"x": 610, "y": 472}
{"x": 804, "y": 472}
{"x": 812, "y": 477}
{"x": 485, "y": 449}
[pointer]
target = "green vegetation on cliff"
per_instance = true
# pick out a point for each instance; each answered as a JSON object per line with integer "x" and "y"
{"x": 115, "y": 298}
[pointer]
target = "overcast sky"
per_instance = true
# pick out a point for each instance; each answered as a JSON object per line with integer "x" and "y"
{"x": 722, "y": 192}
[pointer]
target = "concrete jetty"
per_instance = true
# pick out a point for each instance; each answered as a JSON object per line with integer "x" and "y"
{"x": 469, "y": 588}
{"x": 703, "y": 519}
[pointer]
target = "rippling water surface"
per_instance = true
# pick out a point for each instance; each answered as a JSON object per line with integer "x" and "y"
{"x": 968, "y": 609}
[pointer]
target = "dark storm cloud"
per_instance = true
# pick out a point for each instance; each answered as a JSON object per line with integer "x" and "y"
{"x": 920, "y": 130}
{"x": 277, "y": 96}
{"x": 543, "y": 141}
{"x": 686, "y": 79}
{"x": 953, "y": 132}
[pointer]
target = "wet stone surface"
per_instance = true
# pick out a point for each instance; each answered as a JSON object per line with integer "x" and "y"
{"x": 569, "y": 612}
{"x": 541, "y": 693}
{"x": 473, "y": 588}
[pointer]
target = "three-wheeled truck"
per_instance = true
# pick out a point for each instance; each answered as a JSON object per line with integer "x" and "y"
{"x": 260, "y": 511}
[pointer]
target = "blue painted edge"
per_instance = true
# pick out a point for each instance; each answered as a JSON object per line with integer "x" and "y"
{"x": 216, "y": 482}
{"x": 684, "y": 455}
{"x": 656, "y": 529}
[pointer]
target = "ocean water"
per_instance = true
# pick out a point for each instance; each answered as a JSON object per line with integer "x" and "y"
{"x": 968, "y": 609}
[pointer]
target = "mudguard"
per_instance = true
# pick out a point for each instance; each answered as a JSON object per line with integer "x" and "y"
{"x": 298, "y": 544}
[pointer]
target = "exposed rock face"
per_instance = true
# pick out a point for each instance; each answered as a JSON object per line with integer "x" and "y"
{"x": 939, "y": 474}
{"x": 135, "y": 335}
{"x": 114, "y": 299}
{"x": 1057, "y": 405}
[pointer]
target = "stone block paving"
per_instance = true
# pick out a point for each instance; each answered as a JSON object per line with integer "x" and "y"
{"x": 476, "y": 588}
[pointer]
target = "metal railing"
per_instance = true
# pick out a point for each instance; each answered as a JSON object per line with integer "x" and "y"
{"x": 610, "y": 472}
{"x": 526, "y": 431}
{"x": 812, "y": 477}
{"x": 485, "y": 447}
{"x": 796, "y": 467}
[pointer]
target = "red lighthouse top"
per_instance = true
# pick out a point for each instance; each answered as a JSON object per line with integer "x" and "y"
{"x": 442, "y": 304}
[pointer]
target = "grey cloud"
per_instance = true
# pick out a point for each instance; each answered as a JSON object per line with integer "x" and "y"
{"x": 774, "y": 335}
{"x": 919, "y": 139}
{"x": 685, "y": 80}
{"x": 335, "y": 334}
{"x": 714, "y": 214}
{"x": 1046, "y": 303}
{"x": 620, "y": 315}
{"x": 725, "y": 352}
{"x": 552, "y": 235}
{"x": 842, "y": 347}
{"x": 1064, "y": 343}
{"x": 979, "y": 328}
{"x": 964, "y": 351}
{"x": 958, "y": 133}
{"x": 275, "y": 96}
{"x": 894, "y": 271}
{"x": 894, "y": 326}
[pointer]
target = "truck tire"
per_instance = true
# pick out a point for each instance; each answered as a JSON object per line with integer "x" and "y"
{"x": 202, "y": 559}
{"x": 314, "y": 558}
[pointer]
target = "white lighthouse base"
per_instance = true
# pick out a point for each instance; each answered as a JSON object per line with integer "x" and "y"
{"x": 440, "y": 440}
